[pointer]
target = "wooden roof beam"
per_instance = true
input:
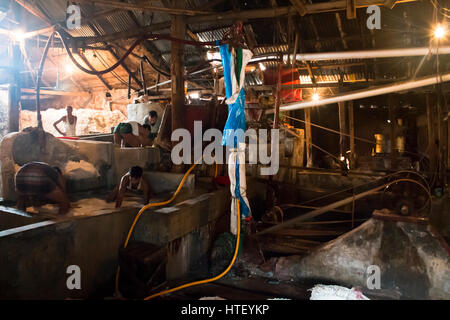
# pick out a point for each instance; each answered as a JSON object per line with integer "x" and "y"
{"x": 300, "y": 7}
{"x": 146, "y": 7}
{"x": 231, "y": 16}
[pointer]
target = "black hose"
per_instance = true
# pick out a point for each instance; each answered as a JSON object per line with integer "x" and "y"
{"x": 96, "y": 73}
{"x": 156, "y": 68}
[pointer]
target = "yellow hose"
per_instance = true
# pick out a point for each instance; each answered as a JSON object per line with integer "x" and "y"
{"x": 216, "y": 277}
{"x": 157, "y": 204}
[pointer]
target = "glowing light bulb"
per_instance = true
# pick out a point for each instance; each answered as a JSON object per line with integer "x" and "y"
{"x": 315, "y": 97}
{"x": 18, "y": 35}
{"x": 194, "y": 95}
{"x": 69, "y": 68}
{"x": 439, "y": 31}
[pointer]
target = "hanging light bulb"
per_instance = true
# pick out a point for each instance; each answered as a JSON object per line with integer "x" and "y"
{"x": 440, "y": 31}
{"x": 315, "y": 97}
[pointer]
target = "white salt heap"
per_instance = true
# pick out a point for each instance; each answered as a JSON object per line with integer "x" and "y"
{"x": 89, "y": 120}
{"x": 80, "y": 170}
{"x": 84, "y": 207}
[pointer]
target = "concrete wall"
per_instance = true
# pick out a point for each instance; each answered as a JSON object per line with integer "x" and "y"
{"x": 13, "y": 218}
{"x": 186, "y": 228}
{"x": 35, "y": 257}
{"x": 124, "y": 158}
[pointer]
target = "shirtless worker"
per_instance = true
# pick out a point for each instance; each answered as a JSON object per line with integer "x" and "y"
{"x": 70, "y": 122}
{"x": 38, "y": 181}
{"x": 132, "y": 181}
{"x": 132, "y": 134}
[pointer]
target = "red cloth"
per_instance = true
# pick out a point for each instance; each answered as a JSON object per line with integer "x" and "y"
{"x": 222, "y": 180}
{"x": 288, "y": 76}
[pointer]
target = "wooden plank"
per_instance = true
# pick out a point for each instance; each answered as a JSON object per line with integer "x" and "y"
{"x": 57, "y": 93}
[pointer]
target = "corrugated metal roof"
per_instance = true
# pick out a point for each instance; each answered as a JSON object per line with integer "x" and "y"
{"x": 317, "y": 33}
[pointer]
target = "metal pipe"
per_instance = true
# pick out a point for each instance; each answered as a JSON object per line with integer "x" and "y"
{"x": 370, "y": 54}
{"x": 365, "y": 93}
{"x": 360, "y": 54}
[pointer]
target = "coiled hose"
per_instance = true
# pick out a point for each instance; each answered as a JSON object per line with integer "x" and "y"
{"x": 157, "y": 204}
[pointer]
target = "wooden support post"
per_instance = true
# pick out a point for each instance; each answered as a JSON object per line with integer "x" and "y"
{"x": 177, "y": 30}
{"x": 352, "y": 135}
{"x": 393, "y": 136}
{"x": 351, "y": 9}
{"x": 342, "y": 128}
{"x": 309, "y": 159}
{"x": 431, "y": 134}
{"x": 276, "y": 115}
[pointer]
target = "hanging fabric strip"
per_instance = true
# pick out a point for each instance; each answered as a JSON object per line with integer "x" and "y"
{"x": 234, "y": 62}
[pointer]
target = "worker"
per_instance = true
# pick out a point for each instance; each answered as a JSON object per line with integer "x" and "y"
{"x": 132, "y": 181}
{"x": 37, "y": 182}
{"x": 151, "y": 119}
{"x": 132, "y": 134}
{"x": 70, "y": 122}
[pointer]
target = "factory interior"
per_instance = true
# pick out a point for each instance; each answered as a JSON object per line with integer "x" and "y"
{"x": 179, "y": 150}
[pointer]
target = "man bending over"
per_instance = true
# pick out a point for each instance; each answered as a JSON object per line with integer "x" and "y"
{"x": 38, "y": 181}
{"x": 133, "y": 181}
{"x": 132, "y": 134}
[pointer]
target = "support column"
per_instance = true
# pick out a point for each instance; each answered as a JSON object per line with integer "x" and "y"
{"x": 309, "y": 159}
{"x": 177, "y": 30}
